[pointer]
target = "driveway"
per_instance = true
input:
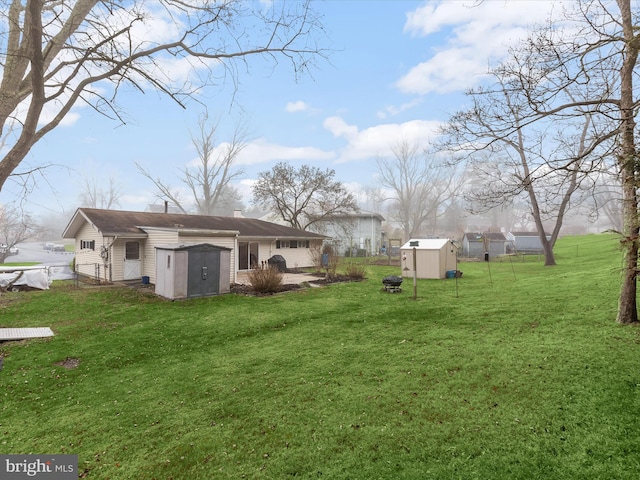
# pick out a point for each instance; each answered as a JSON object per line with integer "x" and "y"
{"x": 60, "y": 262}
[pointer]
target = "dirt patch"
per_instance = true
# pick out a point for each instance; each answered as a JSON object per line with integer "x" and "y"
{"x": 69, "y": 363}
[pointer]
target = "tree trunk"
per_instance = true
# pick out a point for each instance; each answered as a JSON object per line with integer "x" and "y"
{"x": 627, "y": 308}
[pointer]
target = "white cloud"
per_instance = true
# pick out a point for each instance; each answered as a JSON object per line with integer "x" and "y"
{"x": 392, "y": 110}
{"x": 298, "y": 106}
{"x": 476, "y": 34}
{"x": 378, "y": 140}
{"x": 339, "y": 128}
{"x": 261, "y": 151}
{"x": 245, "y": 189}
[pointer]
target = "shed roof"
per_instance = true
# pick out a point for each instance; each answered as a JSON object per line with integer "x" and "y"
{"x": 126, "y": 223}
{"x": 473, "y": 237}
{"x": 524, "y": 234}
{"x": 479, "y": 237}
{"x": 428, "y": 243}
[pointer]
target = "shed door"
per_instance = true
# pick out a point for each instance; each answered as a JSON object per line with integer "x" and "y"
{"x": 131, "y": 260}
{"x": 203, "y": 273}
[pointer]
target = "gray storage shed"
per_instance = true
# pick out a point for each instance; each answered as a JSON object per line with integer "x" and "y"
{"x": 192, "y": 270}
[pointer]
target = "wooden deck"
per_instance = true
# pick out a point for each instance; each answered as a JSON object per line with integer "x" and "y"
{"x": 7, "y": 334}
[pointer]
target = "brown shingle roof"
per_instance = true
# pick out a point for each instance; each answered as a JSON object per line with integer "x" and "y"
{"x": 119, "y": 222}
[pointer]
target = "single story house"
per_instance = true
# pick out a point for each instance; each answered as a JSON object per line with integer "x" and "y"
{"x": 434, "y": 257}
{"x": 115, "y": 245}
{"x": 477, "y": 245}
{"x": 525, "y": 242}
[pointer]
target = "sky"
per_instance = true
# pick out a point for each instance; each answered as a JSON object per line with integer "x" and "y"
{"x": 396, "y": 71}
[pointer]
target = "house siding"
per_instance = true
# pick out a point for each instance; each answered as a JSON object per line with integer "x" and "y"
{"x": 89, "y": 262}
{"x": 295, "y": 257}
{"x": 228, "y": 242}
{"x": 155, "y": 238}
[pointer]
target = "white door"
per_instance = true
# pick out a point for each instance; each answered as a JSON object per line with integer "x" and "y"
{"x": 131, "y": 260}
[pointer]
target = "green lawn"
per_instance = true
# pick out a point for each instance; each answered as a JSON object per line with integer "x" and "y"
{"x": 514, "y": 371}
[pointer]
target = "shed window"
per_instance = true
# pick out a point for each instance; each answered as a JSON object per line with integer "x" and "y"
{"x": 168, "y": 262}
{"x": 87, "y": 244}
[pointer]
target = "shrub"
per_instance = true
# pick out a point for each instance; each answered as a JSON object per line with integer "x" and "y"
{"x": 355, "y": 271}
{"x": 266, "y": 280}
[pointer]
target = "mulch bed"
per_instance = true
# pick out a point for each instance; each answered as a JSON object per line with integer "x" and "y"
{"x": 247, "y": 289}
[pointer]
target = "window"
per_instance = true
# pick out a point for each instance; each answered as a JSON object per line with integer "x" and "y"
{"x": 132, "y": 251}
{"x": 292, "y": 243}
{"x": 168, "y": 262}
{"x": 87, "y": 244}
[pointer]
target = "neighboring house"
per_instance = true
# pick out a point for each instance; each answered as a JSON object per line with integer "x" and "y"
{"x": 116, "y": 245}
{"x": 434, "y": 257}
{"x": 476, "y": 245}
{"x": 525, "y": 242}
{"x": 352, "y": 233}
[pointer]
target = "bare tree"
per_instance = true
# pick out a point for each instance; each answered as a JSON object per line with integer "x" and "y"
{"x": 418, "y": 185}
{"x": 375, "y": 198}
{"x": 302, "y": 197}
{"x": 547, "y": 167}
{"x": 585, "y": 65}
{"x": 607, "y": 201}
{"x": 55, "y": 55}
{"x": 96, "y": 194}
{"x": 208, "y": 182}
{"x": 15, "y": 226}
{"x": 577, "y": 68}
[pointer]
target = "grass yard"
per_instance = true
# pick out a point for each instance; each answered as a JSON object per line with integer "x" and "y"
{"x": 514, "y": 371}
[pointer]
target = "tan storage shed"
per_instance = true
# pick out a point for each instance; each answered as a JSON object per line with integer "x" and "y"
{"x": 192, "y": 270}
{"x": 434, "y": 257}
